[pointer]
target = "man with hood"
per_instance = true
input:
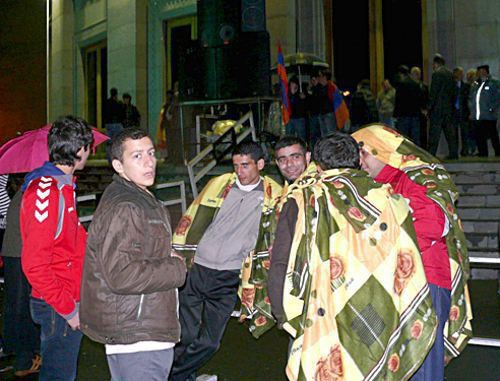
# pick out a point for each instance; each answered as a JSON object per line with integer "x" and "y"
{"x": 54, "y": 246}
{"x": 390, "y": 158}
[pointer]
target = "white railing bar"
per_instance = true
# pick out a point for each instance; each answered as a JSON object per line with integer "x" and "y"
{"x": 87, "y": 197}
{"x": 169, "y": 185}
{"x": 487, "y": 342}
{"x": 194, "y": 178}
{"x": 485, "y": 260}
{"x": 205, "y": 170}
{"x": 86, "y": 218}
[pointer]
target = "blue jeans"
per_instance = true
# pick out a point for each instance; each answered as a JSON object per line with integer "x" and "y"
{"x": 389, "y": 120}
{"x": 327, "y": 123}
{"x": 21, "y": 335}
{"x": 410, "y": 127}
{"x": 59, "y": 344}
{"x": 150, "y": 365}
{"x": 433, "y": 367}
{"x": 112, "y": 129}
{"x": 296, "y": 127}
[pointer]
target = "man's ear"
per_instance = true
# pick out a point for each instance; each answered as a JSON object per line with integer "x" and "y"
{"x": 117, "y": 166}
{"x": 260, "y": 164}
{"x": 308, "y": 157}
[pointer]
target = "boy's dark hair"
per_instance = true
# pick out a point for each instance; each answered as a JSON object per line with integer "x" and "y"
{"x": 67, "y": 136}
{"x": 126, "y": 96}
{"x": 126, "y": 134}
{"x": 252, "y": 149}
{"x": 438, "y": 58}
{"x": 113, "y": 92}
{"x": 337, "y": 150}
{"x": 290, "y": 140}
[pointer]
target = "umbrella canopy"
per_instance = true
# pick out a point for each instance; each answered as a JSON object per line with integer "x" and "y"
{"x": 30, "y": 150}
{"x": 304, "y": 60}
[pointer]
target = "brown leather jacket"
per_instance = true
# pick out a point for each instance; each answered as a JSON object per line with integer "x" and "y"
{"x": 130, "y": 280}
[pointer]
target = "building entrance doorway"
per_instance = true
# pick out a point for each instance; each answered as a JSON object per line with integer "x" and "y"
{"x": 95, "y": 77}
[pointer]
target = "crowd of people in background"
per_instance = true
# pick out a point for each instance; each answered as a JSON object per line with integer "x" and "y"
{"x": 118, "y": 115}
{"x": 465, "y": 111}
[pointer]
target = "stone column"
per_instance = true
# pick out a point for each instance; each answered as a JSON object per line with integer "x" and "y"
{"x": 127, "y": 51}
{"x": 62, "y": 60}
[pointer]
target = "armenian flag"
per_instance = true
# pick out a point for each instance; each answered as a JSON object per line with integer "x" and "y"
{"x": 286, "y": 109}
{"x": 339, "y": 107}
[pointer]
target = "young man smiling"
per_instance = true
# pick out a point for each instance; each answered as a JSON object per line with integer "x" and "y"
{"x": 221, "y": 228}
{"x": 130, "y": 277}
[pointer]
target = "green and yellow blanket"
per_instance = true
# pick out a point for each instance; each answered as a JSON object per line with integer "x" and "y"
{"x": 355, "y": 296}
{"x": 424, "y": 169}
{"x": 204, "y": 208}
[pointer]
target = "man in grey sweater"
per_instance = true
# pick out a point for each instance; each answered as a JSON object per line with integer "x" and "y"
{"x": 220, "y": 228}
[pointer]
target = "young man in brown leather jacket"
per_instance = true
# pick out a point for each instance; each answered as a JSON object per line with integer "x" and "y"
{"x": 130, "y": 276}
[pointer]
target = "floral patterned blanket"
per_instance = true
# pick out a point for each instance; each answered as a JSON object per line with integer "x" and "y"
{"x": 394, "y": 149}
{"x": 356, "y": 298}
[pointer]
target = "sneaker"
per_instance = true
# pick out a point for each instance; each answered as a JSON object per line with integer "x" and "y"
{"x": 35, "y": 367}
{"x": 207, "y": 377}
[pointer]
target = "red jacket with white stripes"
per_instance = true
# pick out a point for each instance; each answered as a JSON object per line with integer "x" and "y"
{"x": 53, "y": 242}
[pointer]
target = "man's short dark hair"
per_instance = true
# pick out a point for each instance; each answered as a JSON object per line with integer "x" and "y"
{"x": 290, "y": 140}
{"x": 127, "y": 96}
{"x": 251, "y": 148}
{"x": 126, "y": 134}
{"x": 438, "y": 59}
{"x": 113, "y": 92}
{"x": 67, "y": 136}
{"x": 337, "y": 150}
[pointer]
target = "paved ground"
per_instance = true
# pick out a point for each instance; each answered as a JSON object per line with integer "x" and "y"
{"x": 243, "y": 358}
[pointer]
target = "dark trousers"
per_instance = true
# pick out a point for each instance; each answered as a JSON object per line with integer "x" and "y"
{"x": 59, "y": 344}
{"x": 450, "y": 133}
{"x": 433, "y": 367}
{"x": 21, "y": 335}
{"x": 484, "y": 130}
{"x": 410, "y": 127}
{"x": 205, "y": 306}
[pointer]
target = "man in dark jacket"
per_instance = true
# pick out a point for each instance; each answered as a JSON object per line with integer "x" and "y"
{"x": 461, "y": 111}
{"x": 408, "y": 104}
{"x": 441, "y": 100}
{"x": 484, "y": 102}
{"x": 130, "y": 276}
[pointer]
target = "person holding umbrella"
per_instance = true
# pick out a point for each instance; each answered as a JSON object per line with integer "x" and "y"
{"x": 54, "y": 246}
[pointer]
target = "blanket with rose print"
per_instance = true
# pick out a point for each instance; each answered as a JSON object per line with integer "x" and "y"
{"x": 392, "y": 148}
{"x": 355, "y": 296}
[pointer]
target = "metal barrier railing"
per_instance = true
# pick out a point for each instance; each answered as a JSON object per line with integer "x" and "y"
{"x": 485, "y": 341}
{"x": 181, "y": 200}
{"x": 230, "y": 136}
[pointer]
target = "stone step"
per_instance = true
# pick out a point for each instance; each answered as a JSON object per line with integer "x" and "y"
{"x": 486, "y": 166}
{"x": 489, "y": 227}
{"x": 479, "y": 201}
{"x": 482, "y": 214}
{"x": 478, "y": 189}
{"x": 481, "y": 241}
{"x": 477, "y": 178}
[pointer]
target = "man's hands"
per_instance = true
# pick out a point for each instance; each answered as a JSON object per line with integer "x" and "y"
{"x": 74, "y": 322}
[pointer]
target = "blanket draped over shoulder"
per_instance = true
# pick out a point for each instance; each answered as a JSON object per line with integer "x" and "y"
{"x": 424, "y": 169}
{"x": 200, "y": 215}
{"x": 356, "y": 298}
